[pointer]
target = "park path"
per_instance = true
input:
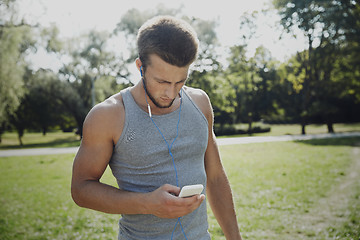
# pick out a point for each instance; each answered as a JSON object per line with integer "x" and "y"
{"x": 220, "y": 141}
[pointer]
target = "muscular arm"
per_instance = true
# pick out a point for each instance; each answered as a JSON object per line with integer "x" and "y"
{"x": 219, "y": 192}
{"x": 218, "y": 188}
{"x": 99, "y": 136}
{"x": 91, "y": 161}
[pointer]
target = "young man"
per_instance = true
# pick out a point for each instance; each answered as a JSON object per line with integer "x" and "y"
{"x": 157, "y": 137}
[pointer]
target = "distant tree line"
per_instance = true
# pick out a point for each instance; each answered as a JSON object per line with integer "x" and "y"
{"x": 318, "y": 85}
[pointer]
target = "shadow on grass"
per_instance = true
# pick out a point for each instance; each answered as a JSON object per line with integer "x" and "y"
{"x": 344, "y": 141}
{"x": 59, "y": 142}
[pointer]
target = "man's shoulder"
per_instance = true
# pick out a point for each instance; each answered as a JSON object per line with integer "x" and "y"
{"x": 107, "y": 112}
{"x": 201, "y": 99}
{"x": 110, "y": 105}
{"x": 105, "y": 120}
{"x": 196, "y": 93}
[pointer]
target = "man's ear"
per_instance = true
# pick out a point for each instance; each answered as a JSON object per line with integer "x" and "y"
{"x": 138, "y": 63}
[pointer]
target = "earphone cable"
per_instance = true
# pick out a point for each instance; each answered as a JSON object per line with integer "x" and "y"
{"x": 169, "y": 149}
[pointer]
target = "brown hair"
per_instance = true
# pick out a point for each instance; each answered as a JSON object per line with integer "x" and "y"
{"x": 173, "y": 40}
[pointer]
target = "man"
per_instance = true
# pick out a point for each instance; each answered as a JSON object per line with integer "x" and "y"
{"x": 157, "y": 137}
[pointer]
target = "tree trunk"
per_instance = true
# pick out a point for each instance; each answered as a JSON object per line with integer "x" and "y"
{"x": 303, "y": 125}
{"x": 2, "y": 130}
{"x": 250, "y": 128}
{"x": 20, "y": 134}
{"x": 44, "y": 130}
{"x": 330, "y": 127}
{"x": 250, "y": 123}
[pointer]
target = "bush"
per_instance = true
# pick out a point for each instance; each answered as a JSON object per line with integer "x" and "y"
{"x": 229, "y": 129}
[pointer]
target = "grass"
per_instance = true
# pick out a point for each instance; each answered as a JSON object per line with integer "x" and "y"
{"x": 279, "y": 190}
{"x": 36, "y": 140}
{"x": 61, "y": 139}
{"x": 292, "y": 129}
{"x": 277, "y": 184}
{"x": 36, "y": 202}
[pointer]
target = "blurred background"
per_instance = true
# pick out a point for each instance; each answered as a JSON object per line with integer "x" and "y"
{"x": 261, "y": 62}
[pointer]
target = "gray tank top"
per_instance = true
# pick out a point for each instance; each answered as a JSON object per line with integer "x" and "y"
{"x": 141, "y": 163}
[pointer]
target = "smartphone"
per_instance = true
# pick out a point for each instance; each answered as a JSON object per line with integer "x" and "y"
{"x": 191, "y": 190}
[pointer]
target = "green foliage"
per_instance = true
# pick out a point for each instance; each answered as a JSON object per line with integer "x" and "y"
{"x": 14, "y": 40}
{"x": 239, "y": 129}
{"x": 253, "y": 81}
{"x": 304, "y": 89}
{"x": 91, "y": 76}
{"x": 330, "y": 28}
{"x": 11, "y": 72}
{"x": 41, "y": 99}
{"x": 50, "y": 37}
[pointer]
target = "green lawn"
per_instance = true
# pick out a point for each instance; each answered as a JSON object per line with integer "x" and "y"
{"x": 292, "y": 129}
{"x": 34, "y": 140}
{"x": 280, "y": 187}
{"x": 282, "y": 190}
{"x": 61, "y": 139}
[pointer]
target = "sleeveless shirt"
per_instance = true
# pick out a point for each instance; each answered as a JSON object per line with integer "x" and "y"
{"x": 141, "y": 163}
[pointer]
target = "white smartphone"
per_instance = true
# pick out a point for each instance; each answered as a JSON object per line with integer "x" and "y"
{"x": 191, "y": 190}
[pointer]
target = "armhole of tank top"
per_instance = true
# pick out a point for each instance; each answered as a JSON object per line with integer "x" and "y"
{"x": 126, "y": 123}
{"x": 196, "y": 107}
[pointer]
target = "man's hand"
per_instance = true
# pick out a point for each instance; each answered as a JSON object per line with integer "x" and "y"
{"x": 164, "y": 203}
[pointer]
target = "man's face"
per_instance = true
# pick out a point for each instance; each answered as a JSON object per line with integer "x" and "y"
{"x": 164, "y": 81}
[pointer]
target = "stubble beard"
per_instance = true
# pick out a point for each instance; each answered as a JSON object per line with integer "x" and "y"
{"x": 156, "y": 103}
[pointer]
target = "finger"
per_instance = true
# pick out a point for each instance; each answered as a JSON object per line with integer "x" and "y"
{"x": 198, "y": 201}
{"x": 171, "y": 189}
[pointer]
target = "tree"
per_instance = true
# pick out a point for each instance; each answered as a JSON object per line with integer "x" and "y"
{"x": 91, "y": 65}
{"x": 237, "y": 78}
{"x": 328, "y": 26}
{"x": 266, "y": 68}
{"x": 251, "y": 77}
{"x": 348, "y": 66}
{"x": 252, "y": 81}
{"x": 15, "y": 39}
{"x": 206, "y": 72}
{"x": 42, "y": 100}
{"x": 288, "y": 90}
{"x": 20, "y": 120}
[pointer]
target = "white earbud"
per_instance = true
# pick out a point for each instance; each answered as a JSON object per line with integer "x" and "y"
{"x": 149, "y": 110}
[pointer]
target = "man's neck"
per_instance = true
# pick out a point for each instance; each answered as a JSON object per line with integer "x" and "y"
{"x": 140, "y": 96}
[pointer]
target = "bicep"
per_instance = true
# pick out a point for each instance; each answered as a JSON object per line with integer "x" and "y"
{"x": 95, "y": 150}
{"x": 91, "y": 161}
{"x": 213, "y": 165}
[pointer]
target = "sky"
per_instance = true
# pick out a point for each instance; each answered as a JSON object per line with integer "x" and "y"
{"x": 74, "y": 17}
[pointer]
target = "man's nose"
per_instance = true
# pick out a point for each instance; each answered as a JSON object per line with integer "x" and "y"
{"x": 171, "y": 91}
